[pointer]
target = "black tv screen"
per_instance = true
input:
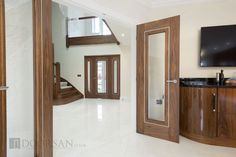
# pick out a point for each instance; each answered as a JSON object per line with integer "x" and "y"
{"x": 218, "y": 46}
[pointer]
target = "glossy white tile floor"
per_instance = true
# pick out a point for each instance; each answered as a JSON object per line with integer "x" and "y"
{"x": 103, "y": 128}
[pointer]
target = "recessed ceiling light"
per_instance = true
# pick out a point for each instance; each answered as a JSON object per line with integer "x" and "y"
{"x": 123, "y": 34}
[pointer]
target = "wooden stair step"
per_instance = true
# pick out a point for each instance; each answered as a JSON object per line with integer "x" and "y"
{"x": 67, "y": 100}
{"x": 66, "y": 87}
{"x": 65, "y": 91}
{"x": 68, "y": 93}
{"x": 63, "y": 83}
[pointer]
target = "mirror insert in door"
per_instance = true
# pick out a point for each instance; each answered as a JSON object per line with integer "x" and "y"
{"x": 157, "y": 48}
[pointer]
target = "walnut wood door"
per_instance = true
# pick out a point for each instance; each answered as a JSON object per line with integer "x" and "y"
{"x": 157, "y": 78}
{"x": 102, "y": 77}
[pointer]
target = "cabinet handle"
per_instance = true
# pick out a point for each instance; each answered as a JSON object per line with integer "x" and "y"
{"x": 214, "y": 102}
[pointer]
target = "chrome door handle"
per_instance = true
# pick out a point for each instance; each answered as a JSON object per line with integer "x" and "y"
{"x": 172, "y": 81}
{"x": 3, "y": 88}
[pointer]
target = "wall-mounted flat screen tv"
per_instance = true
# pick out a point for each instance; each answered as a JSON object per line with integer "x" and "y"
{"x": 218, "y": 46}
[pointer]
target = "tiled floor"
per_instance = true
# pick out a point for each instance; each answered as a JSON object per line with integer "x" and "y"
{"x": 103, "y": 128}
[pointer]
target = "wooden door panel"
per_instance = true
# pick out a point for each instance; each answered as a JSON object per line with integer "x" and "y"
{"x": 3, "y": 110}
{"x": 88, "y": 64}
{"x": 197, "y": 112}
{"x": 168, "y": 127}
{"x": 208, "y": 104}
{"x": 227, "y": 113}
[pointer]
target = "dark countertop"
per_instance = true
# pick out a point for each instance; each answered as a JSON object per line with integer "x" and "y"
{"x": 204, "y": 83}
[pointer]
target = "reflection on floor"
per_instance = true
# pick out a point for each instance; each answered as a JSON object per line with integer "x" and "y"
{"x": 103, "y": 128}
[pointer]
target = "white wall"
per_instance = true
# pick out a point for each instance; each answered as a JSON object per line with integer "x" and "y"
{"x": 19, "y": 63}
{"x": 72, "y": 59}
{"x": 193, "y": 17}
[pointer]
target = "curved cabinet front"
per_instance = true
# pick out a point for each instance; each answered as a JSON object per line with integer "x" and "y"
{"x": 208, "y": 115}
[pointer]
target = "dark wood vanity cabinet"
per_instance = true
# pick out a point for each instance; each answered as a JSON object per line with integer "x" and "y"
{"x": 208, "y": 115}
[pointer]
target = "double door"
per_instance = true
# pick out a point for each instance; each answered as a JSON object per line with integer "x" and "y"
{"x": 102, "y": 77}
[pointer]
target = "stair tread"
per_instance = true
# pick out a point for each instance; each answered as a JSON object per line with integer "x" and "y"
{"x": 62, "y": 101}
{"x": 66, "y": 87}
{"x": 68, "y": 94}
{"x": 63, "y": 83}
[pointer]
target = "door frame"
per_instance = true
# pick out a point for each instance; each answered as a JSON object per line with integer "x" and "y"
{"x": 168, "y": 129}
{"x": 110, "y": 92}
{"x": 43, "y": 79}
{"x": 3, "y": 120}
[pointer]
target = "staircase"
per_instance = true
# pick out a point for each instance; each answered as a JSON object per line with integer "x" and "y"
{"x": 64, "y": 91}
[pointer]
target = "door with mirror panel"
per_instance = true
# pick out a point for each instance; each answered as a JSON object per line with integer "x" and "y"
{"x": 157, "y": 78}
{"x": 102, "y": 77}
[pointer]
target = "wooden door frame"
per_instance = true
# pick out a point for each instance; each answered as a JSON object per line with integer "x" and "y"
{"x": 3, "y": 120}
{"x": 43, "y": 79}
{"x": 110, "y": 83}
{"x": 145, "y": 125}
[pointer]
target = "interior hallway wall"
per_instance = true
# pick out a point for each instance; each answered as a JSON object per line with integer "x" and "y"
{"x": 19, "y": 66}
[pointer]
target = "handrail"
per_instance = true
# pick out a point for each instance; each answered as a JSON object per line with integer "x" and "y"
{"x": 57, "y": 86}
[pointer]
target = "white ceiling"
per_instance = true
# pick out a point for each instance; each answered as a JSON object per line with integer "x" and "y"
{"x": 161, "y": 3}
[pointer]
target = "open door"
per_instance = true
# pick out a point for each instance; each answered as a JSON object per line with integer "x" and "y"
{"x": 158, "y": 78}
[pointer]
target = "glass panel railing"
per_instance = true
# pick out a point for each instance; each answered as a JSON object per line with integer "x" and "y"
{"x": 87, "y": 27}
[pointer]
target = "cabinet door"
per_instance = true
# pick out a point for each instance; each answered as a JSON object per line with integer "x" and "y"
{"x": 227, "y": 113}
{"x": 189, "y": 110}
{"x": 208, "y": 111}
{"x": 198, "y": 111}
